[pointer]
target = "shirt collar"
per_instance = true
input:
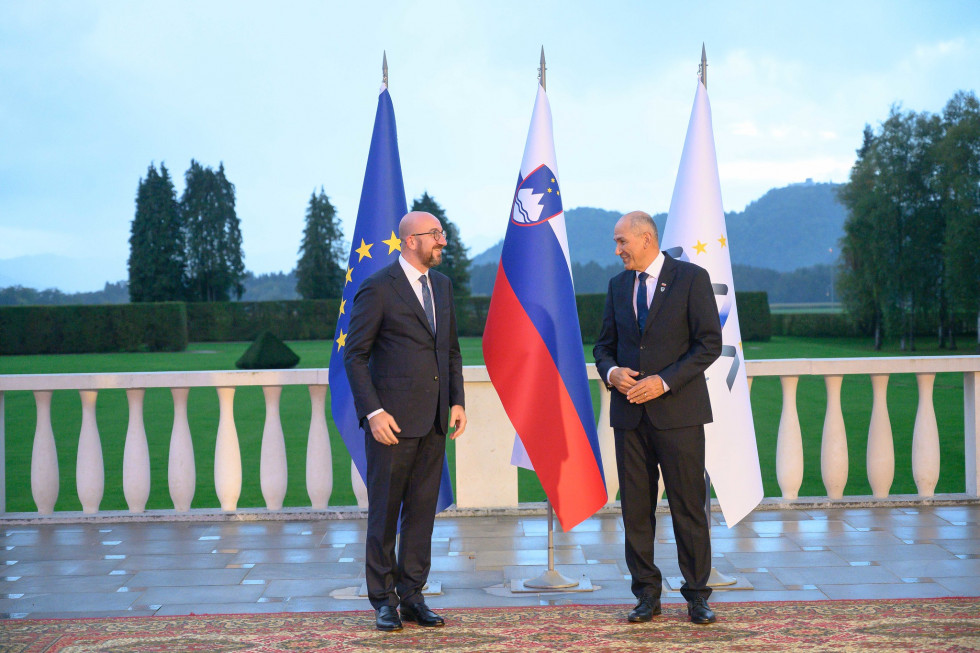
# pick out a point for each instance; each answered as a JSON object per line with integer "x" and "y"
{"x": 410, "y": 271}
{"x": 656, "y": 266}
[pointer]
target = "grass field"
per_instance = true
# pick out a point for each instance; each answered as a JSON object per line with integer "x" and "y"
{"x": 112, "y": 416}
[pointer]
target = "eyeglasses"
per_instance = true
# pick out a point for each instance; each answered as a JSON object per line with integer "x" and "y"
{"x": 435, "y": 233}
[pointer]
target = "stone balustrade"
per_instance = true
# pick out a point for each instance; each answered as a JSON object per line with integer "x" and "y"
{"x": 484, "y": 476}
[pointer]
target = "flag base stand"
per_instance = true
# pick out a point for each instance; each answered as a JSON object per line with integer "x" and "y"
{"x": 432, "y": 588}
{"x": 524, "y": 586}
{"x": 551, "y": 580}
{"x": 718, "y": 579}
{"x": 674, "y": 583}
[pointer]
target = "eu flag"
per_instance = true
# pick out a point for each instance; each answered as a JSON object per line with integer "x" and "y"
{"x": 374, "y": 245}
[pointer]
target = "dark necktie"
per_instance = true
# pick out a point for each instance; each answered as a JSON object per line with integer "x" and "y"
{"x": 642, "y": 306}
{"x": 427, "y": 304}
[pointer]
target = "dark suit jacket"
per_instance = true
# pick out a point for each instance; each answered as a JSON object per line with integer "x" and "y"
{"x": 681, "y": 339}
{"x": 392, "y": 359}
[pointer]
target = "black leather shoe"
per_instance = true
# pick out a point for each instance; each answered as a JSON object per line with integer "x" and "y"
{"x": 647, "y": 608}
{"x": 386, "y": 618}
{"x": 421, "y": 614}
{"x": 699, "y": 612}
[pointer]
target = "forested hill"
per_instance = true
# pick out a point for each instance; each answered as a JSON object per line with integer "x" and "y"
{"x": 787, "y": 228}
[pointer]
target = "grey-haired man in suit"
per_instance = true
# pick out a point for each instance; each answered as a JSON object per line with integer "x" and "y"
{"x": 660, "y": 332}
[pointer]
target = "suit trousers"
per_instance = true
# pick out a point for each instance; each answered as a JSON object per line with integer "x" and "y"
{"x": 403, "y": 484}
{"x": 680, "y": 454}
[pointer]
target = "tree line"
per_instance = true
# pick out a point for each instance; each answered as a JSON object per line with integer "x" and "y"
{"x": 186, "y": 250}
{"x": 910, "y": 254}
{"x": 191, "y": 249}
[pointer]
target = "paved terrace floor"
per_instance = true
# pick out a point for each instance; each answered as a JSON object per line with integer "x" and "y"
{"x": 173, "y": 568}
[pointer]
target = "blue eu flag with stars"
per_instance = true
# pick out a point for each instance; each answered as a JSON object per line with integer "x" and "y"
{"x": 374, "y": 245}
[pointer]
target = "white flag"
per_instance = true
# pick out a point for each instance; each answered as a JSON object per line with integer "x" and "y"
{"x": 695, "y": 231}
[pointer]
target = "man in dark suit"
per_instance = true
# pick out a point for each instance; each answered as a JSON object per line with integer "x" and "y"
{"x": 660, "y": 332}
{"x": 406, "y": 375}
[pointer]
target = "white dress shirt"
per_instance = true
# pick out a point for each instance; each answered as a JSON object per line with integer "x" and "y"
{"x": 653, "y": 272}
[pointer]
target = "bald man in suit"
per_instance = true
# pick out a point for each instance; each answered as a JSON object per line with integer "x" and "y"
{"x": 406, "y": 375}
{"x": 660, "y": 332}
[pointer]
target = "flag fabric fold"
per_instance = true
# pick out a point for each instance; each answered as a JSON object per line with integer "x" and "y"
{"x": 695, "y": 231}
{"x": 532, "y": 343}
{"x": 374, "y": 245}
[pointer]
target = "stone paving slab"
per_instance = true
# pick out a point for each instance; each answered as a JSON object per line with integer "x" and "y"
{"x": 104, "y": 568}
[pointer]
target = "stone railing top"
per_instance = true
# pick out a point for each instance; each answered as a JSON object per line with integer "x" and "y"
{"x": 471, "y": 373}
{"x": 876, "y": 365}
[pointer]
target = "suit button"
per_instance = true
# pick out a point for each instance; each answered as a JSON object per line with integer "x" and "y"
{"x": 642, "y": 372}
{"x": 435, "y": 378}
{"x": 642, "y": 347}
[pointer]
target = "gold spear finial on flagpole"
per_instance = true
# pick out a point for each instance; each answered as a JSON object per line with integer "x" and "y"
{"x": 384, "y": 67}
{"x": 541, "y": 71}
{"x": 703, "y": 68}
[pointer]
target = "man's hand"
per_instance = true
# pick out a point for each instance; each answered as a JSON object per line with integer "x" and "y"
{"x": 384, "y": 427}
{"x": 457, "y": 419}
{"x": 622, "y": 378}
{"x": 645, "y": 389}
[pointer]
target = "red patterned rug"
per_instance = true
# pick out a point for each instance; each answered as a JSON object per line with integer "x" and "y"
{"x": 897, "y": 625}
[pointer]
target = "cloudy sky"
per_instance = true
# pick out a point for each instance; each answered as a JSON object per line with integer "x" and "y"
{"x": 91, "y": 93}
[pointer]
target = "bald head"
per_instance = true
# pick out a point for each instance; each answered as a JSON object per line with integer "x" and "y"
{"x": 641, "y": 222}
{"x": 422, "y": 239}
{"x": 637, "y": 240}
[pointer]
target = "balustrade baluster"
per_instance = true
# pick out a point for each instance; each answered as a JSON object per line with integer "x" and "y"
{"x": 273, "y": 473}
{"x": 925, "y": 439}
{"x": 833, "y": 446}
{"x": 971, "y": 431}
{"x": 789, "y": 442}
{"x": 357, "y": 484}
{"x": 607, "y": 445}
{"x": 319, "y": 461}
{"x": 136, "y": 455}
{"x": 181, "y": 469}
{"x": 881, "y": 449}
{"x": 227, "y": 454}
{"x": 89, "y": 468}
{"x": 45, "y": 480}
{"x": 3, "y": 458}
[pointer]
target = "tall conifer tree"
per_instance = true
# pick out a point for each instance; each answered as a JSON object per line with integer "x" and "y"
{"x": 455, "y": 262}
{"x": 215, "y": 261}
{"x": 319, "y": 271}
{"x": 157, "y": 264}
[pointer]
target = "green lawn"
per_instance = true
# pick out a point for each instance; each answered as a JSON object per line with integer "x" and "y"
{"x": 112, "y": 416}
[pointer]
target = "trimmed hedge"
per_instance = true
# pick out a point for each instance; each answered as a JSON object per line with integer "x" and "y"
{"x": 753, "y": 315}
{"x": 814, "y": 325}
{"x": 157, "y": 326}
{"x": 299, "y": 319}
{"x": 169, "y": 326}
{"x": 754, "y": 320}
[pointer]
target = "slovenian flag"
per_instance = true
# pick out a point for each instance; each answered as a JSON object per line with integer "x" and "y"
{"x": 375, "y": 244}
{"x": 695, "y": 231}
{"x": 532, "y": 343}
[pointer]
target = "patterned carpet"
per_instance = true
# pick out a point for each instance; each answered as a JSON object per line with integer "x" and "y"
{"x": 897, "y": 625}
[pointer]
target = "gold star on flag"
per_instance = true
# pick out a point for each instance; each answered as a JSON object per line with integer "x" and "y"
{"x": 364, "y": 250}
{"x": 393, "y": 243}
{"x": 343, "y": 302}
{"x": 549, "y": 190}
{"x": 700, "y": 248}
{"x": 723, "y": 240}
{"x": 552, "y": 180}
{"x": 342, "y": 340}
{"x": 347, "y": 280}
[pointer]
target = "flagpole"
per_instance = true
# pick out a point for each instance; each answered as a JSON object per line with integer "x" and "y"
{"x": 715, "y": 578}
{"x": 550, "y": 580}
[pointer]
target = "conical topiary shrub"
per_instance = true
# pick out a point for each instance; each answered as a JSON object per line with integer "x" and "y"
{"x": 267, "y": 353}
